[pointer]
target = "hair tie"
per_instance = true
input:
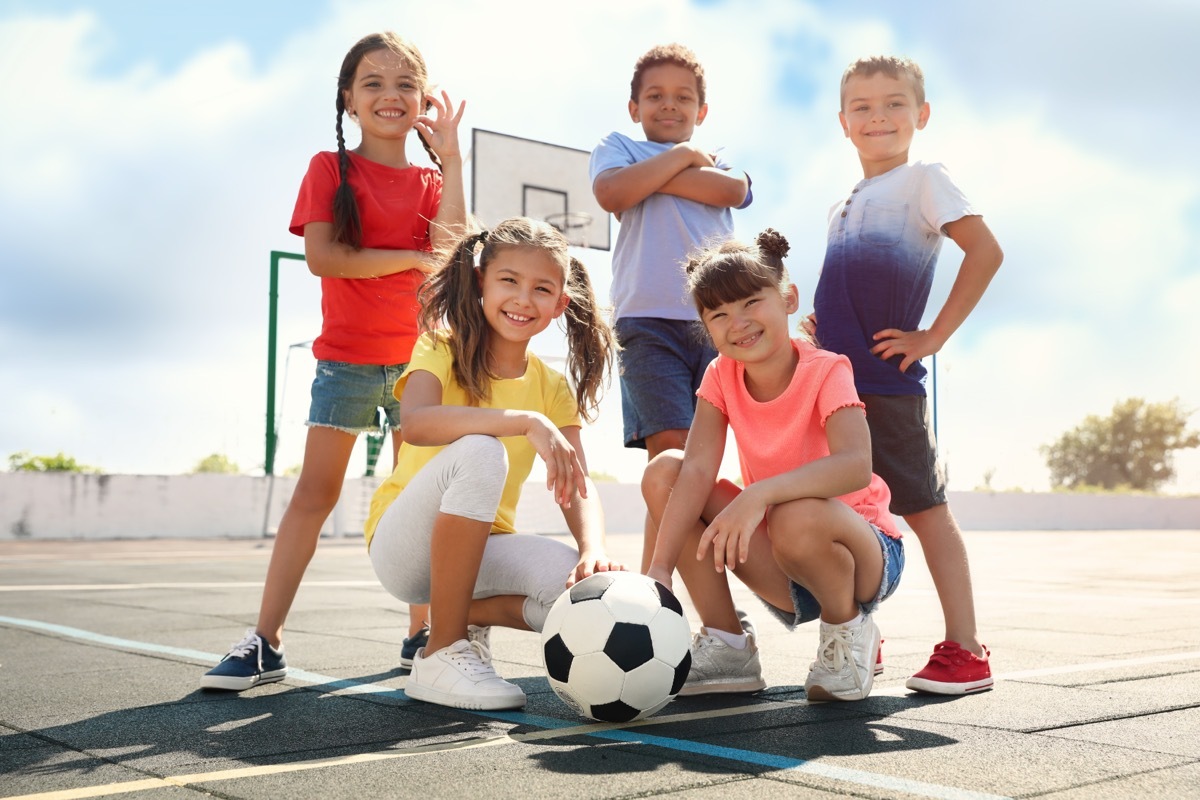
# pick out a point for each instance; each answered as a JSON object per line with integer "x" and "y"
{"x": 478, "y": 240}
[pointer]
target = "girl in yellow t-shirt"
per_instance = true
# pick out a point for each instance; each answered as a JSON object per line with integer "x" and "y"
{"x": 476, "y": 407}
{"x": 810, "y": 533}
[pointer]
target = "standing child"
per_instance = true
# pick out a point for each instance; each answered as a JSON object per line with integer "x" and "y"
{"x": 671, "y": 196}
{"x": 477, "y": 405}
{"x": 883, "y": 244}
{"x": 810, "y": 534}
{"x": 369, "y": 220}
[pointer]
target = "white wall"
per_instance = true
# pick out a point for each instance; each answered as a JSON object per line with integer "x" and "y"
{"x": 74, "y": 506}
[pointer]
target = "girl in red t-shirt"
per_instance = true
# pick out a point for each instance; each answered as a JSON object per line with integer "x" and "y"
{"x": 371, "y": 222}
{"x": 810, "y": 533}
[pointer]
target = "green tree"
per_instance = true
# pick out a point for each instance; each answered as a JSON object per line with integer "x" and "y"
{"x": 1132, "y": 448}
{"x": 216, "y": 463}
{"x": 60, "y": 462}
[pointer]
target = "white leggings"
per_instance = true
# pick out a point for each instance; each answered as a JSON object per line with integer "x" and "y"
{"x": 466, "y": 479}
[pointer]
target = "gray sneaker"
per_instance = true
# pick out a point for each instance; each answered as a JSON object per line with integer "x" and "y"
{"x": 845, "y": 665}
{"x": 718, "y": 668}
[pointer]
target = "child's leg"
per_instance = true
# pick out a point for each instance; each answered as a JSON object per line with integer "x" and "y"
{"x": 326, "y": 454}
{"x": 946, "y": 555}
{"x": 418, "y": 613}
{"x": 826, "y": 547}
{"x": 657, "y": 443}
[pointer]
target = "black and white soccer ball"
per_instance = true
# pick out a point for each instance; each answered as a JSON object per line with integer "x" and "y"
{"x": 617, "y": 646}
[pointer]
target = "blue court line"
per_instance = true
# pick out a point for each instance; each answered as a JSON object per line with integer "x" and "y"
{"x": 830, "y": 772}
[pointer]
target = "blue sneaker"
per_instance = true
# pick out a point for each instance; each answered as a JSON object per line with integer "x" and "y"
{"x": 411, "y": 645}
{"x": 249, "y": 663}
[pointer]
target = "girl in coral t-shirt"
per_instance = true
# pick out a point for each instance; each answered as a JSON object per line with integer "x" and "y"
{"x": 810, "y": 533}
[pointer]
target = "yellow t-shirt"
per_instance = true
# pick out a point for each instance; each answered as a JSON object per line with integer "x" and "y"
{"x": 540, "y": 389}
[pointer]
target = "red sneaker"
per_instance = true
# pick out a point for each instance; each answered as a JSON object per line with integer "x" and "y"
{"x": 879, "y": 659}
{"x": 953, "y": 670}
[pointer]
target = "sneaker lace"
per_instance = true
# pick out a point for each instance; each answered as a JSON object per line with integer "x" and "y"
{"x": 836, "y": 650}
{"x": 475, "y": 659}
{"x": 250, "y": 643}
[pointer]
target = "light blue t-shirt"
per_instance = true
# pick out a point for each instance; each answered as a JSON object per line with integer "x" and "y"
{"x": 883, "y": 245}
{"x": 656, "y": 237}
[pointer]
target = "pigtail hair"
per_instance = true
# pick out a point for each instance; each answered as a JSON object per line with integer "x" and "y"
{"x": 347, "y": 225}
{"x": 451, "y": 297}
{"x": 773, "y": 245}
{"x": 591, "y": 346}
{"x": 437, "y": 162}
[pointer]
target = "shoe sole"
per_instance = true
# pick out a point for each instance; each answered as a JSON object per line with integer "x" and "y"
{"x": 743, "y": 687}
{"x": 468, "y": 703}
{"x": 232, "y": 684}
{"x": 941, "y": 687}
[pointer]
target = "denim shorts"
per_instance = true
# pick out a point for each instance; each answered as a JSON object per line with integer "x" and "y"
{"x": 806, "y": 607}
{"x": 904, "y": 451}
{"x": 662, "y": 364}
{"x": 347, "y": 396}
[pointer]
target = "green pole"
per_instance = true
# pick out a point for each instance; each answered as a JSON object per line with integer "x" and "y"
{"x": 272, "y": 336}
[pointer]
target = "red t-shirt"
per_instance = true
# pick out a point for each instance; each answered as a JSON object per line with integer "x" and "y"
{"x": 782, "y": 434}
{"x": 371, "y": 320}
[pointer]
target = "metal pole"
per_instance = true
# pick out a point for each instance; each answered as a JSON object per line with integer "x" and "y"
{"x": 272, "y": 324}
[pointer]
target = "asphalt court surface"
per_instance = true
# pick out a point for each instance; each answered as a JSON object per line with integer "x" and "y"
{"x": 1095, "y": 640}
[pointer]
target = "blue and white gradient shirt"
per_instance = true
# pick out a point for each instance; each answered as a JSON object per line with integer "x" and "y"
{"x": 883, "y": 245}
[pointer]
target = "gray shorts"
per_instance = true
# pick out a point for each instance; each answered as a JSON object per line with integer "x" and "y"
{"x": 904, "y": 451}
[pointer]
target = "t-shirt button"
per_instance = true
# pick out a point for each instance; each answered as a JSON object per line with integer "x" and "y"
{"x": 843, "y": 213}
{"x": 854, "y": 191}
{"x": 848, "y": 201}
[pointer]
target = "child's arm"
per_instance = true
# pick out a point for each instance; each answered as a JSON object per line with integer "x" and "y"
{"x": 329, "y": 259}
{"x": 981, "y": 258}
{"x": 450, "y": 223}
{"x": 585, "y": 520}
{"x": 846, "y": 469}
{"x": 622, "y": 188}
{"x": 709, "y": 185}
{"x": 701, "y": 462}
{"x": 426, "y": 422}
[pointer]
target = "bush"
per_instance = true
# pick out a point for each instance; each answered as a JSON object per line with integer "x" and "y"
{"x": 60, "y": 462}
{"x": 217, "y": 463}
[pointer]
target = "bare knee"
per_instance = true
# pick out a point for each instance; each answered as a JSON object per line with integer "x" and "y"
{"x": 660, "y": 477}
{"x": 801, "y": 525}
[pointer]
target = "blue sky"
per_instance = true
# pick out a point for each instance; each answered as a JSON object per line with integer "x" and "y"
{"x": 155, "y": 157}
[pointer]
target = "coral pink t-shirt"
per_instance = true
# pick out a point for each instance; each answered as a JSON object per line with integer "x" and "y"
{"x": 785, "y": 433}
{"x": 371, "y": 320}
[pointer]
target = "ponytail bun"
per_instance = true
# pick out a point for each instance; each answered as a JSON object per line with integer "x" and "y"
{"x": 773, "y": 244}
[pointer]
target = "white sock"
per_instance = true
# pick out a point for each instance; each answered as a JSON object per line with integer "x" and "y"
{"x": 853, "y": 623}
{"x": 737, "y": 641}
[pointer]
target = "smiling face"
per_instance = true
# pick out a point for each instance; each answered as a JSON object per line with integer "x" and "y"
{"x": 753, "y": 329}
{"x": 386, "y": 96}
{"x": 523, "y": 293}
{"x": 668, "y": 104}
{"x": 880, "y": 115}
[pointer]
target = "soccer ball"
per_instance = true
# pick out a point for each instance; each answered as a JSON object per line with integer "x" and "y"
{"x": 617, "y": 646}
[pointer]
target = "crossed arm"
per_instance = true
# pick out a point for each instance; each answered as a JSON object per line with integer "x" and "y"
{"x": 683, "y": 171}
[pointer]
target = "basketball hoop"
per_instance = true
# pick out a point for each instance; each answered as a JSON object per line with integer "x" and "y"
{"x": 572, "y": 224}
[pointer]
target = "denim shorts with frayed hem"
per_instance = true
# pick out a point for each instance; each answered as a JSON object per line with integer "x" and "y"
{"x": 662, "y": 364}
{"x": 346, "y": 396}
{"x": 806, "y": 608}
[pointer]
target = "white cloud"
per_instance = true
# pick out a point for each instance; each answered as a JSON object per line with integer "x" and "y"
{"x": 138, "y": 211}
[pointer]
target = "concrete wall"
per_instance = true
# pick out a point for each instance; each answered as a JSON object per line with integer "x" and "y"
{"x": 72, "y": 506}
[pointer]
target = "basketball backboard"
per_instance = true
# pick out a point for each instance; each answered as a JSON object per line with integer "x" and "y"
{"x": 516, "y": 177}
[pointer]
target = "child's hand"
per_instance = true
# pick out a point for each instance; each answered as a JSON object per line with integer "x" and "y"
{"x": 660, "y": 574}
{"x": 913, "y": 345}
{"x": 589, "y": 564}
{"x": 731, "y": 530}
{"x": 700, "y": 157}
{"x": 564, "y": 472}
{"x": 441, "y": 131}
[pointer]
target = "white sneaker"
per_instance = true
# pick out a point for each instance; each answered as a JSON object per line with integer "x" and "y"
{"x": 845, "y": 665}
{"x": 461, "y": 676}
{"x": 718, "y": 668}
